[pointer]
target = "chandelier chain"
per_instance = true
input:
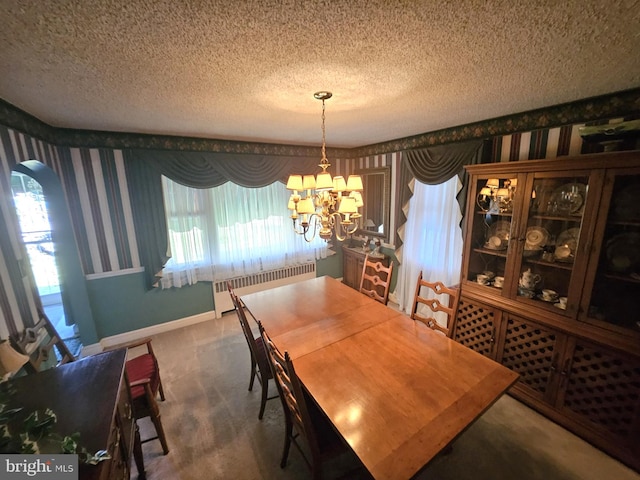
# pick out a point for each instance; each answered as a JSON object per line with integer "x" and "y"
{"x": 324, "y": 155}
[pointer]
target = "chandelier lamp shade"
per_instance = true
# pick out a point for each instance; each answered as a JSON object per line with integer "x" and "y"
{"x": 324, "y": 205}
{"x": 493, "y": 198}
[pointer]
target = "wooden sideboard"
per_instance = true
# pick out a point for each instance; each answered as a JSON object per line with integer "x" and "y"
{"x": 352, "y": 263}
{"x": 89, "y": 396}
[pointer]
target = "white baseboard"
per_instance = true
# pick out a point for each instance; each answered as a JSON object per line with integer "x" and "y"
{"x": 133, "y": 335}
{"x": 88, "y": 350}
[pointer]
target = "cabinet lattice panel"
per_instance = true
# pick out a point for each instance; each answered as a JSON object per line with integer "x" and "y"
{"x": 475, "y": 327}
{"x": 604, "y": 389}
{"x": 529, "y": 351}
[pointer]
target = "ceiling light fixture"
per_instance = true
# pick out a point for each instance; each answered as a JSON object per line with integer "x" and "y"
{"x": 330, "y": 204}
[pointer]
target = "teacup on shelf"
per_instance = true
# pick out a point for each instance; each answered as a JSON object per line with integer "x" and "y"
{"x": 494, "y": 243}
{"x": 562, "y": 253}
{"x": 562, "y": 303}
{"x": 526, "y": 292}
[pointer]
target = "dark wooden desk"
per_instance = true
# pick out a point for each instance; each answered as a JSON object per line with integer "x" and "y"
{"x": 397, "y": 391}
{"x": 89, "y": 396}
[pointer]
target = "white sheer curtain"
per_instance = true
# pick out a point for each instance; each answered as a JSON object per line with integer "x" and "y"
{"x": 433, "y": 239}
{"x": 230, "y": 231}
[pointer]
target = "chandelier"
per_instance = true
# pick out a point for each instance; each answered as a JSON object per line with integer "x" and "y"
{"x": 495, "y": 199}
{"x": 329, "y": 204}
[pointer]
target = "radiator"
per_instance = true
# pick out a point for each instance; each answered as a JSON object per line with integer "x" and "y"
{"x": 258, "y": 282}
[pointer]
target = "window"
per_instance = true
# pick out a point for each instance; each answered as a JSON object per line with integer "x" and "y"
{"x": 433, "y": 239}
{"x": 229, "y": 231}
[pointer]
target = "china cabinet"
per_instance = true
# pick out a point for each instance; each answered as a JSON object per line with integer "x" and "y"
{"x": 550, "y": 288}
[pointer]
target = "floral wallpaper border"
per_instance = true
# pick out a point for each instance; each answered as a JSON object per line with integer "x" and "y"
{"x": 607, "y": 106}
{"x": 618, "y": 104}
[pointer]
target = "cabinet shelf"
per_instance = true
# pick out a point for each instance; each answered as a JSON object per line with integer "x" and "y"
{"x": 488, "y": 251}
{"x": 622, "y": 278}
{"x": 560, "y": 265}
{"x": 624, "y": 223}
{"x": 541, "y": 303}
{"x": 558, "y": 218}
{"x": 496, "y": 214}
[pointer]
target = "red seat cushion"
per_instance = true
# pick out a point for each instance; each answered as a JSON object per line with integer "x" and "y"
{"x": 139, "y": 368}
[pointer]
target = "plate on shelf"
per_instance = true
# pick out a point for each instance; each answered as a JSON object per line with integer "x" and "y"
{"x": 626, "y": 204}
{"x": 570, "y": 197}
{"x": 494, "y": 243}
{"x": 498, "y": 235}
{"x": 623, "y": 252}
{"x": 536, "y": 237}
{"x": 569, "y": 238}
{"x": 553, "y": 300}
{"x": 566, "y": 245}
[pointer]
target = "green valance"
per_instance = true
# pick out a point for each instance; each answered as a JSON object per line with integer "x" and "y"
{"x": 432, "y": 166}
{"x": 144, "y": 169}
{"x": 208, "y": 169}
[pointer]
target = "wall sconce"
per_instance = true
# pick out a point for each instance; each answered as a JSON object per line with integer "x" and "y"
{"x": 10, "y": 360}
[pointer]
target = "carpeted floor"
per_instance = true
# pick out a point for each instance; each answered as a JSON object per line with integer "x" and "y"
{"x": 212, "y": 425}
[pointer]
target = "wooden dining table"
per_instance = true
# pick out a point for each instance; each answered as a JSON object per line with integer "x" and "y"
{"x": 397, "y": 391}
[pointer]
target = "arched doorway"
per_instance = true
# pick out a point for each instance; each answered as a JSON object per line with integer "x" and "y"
{"x": 49, "y": 232}
{"x": 35, "y": 227}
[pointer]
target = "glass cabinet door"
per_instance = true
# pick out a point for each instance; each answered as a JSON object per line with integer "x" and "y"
{"x": 549, "y": 241}
{"x": 615, "y": 297}
{"x": 491, "y": 230}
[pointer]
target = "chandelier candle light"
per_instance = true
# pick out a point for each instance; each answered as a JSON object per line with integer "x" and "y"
{"x": 330, "y": 204}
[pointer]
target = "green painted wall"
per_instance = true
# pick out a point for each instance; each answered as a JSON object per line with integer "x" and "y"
{"x": 331, "y": 266}
{"x": 121, "y": 304}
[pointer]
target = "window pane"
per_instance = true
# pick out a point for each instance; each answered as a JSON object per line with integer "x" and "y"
{"x": 231, "y": 230}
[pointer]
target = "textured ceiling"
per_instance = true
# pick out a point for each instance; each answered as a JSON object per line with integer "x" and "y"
{"x": 247, "y": 70}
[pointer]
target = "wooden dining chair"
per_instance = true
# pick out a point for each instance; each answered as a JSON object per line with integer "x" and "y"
{"x": 376, "y": 279}
{"x": 303, "y": 418}
{"x": 259, "y": 363}
{"x": 434, "y": 304}
{"x": 145, "y": 384}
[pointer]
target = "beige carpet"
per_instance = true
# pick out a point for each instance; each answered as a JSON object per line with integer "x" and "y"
{"x": 212, "y": 425}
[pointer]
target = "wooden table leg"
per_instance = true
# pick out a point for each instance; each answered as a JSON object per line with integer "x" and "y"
{"x": 137, "y": 454}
